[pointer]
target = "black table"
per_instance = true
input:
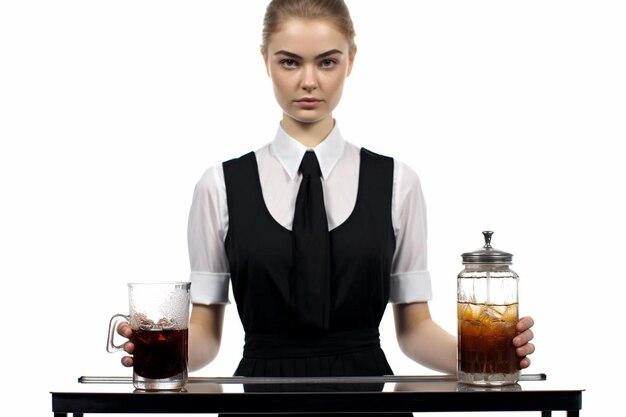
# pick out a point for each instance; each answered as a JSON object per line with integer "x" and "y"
{"x": 347, "y": 394}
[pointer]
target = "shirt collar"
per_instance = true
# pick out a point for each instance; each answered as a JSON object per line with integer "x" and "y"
{"x": 290, "y": 152}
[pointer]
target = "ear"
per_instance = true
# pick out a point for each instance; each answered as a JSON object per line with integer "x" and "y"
{"x": 265, "y": 61}
{"x": 351, "y": 62}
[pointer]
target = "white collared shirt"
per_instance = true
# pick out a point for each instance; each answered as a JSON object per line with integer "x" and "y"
{"x": 278, "y": 163}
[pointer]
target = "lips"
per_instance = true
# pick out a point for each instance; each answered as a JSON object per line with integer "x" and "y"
{"x": 308, "y": 100}
{"x": 308, "y": 103}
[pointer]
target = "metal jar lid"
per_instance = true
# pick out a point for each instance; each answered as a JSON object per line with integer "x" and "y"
{"x": 487, "y": 254}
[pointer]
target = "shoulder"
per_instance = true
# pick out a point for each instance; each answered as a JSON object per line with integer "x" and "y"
{"x": 374, "y": 160}
{"x": 407, "y": 186}
{"x": 406, "y": 175}
{"x": 375, "y": 155}
{"x": 211, "y": 181}
{"x": 403, "y": 173}
{"x": 259, "y": 155}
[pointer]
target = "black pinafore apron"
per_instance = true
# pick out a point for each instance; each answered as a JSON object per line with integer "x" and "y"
{"x": 259, "y": 252}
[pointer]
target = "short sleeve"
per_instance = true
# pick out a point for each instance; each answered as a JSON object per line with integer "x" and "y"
{"x": 410, "y": 278}
{"x": 206, "y": 231}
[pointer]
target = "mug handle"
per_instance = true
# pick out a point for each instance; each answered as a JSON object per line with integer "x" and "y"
{"x": 115, "y": 320}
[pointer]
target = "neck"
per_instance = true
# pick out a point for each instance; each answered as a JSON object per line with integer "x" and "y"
{"x": 308, "y": 134}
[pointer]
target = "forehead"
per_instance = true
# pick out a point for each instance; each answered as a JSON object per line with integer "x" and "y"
{"x": 307, "y": 37}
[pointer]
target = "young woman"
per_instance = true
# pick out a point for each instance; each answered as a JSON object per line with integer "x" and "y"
{"x": 242, "y": 229}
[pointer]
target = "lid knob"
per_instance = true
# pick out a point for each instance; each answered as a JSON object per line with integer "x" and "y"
{"x": 487, "y": 234}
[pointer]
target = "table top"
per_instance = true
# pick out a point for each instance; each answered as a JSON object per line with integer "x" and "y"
{"x": 360, "y": 394}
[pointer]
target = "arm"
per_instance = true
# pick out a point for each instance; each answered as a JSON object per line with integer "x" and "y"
{"x": 419, "y": 337}
{"x": 208, "y": 218}
{"x": 205, "y": 334}
{"x": 423, "y": 340}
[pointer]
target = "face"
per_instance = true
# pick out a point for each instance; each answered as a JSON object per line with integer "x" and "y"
{"x": 308, "y": 62}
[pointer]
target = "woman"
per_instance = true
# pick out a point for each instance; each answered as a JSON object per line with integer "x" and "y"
{"x": 244, "y": 226}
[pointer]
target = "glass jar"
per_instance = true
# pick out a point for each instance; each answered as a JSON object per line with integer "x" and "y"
{"x": 487, "y": 311}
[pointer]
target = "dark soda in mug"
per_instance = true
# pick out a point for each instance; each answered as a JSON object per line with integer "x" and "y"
{"x": 160, "y": 354}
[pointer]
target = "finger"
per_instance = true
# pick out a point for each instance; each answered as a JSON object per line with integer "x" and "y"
{"x": 129, "y": 347}
{"x": 523, "y": 338}
{"x": 127, "y": 361}
{"x": 124, "y": 330}
{"x": 524, "y": 363}
{"x": 525, "y": 323}
{"x": 525, "y": 350}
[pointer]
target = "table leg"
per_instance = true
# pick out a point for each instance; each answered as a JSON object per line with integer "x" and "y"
{"x": 572, "y": 413}
{"x": 546, "y": 414}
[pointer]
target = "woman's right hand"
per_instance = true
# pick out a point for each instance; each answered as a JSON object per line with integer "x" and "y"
{"x": 124, "y": 330}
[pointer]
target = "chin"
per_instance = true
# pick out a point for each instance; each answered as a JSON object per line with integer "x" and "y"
{"x": 309, "y": 118}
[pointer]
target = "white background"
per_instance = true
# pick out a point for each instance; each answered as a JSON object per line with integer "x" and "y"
{"x": 512, "y": 113}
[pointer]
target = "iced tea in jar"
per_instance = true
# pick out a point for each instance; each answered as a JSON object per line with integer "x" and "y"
{"x": 487, "y": 310}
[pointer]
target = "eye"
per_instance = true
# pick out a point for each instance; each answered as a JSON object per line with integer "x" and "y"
{"x": 288, "y": 63}
{"x": 328, "y": 63}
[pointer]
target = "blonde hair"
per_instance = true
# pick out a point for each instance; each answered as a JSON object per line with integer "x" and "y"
{"x": 334, "y": 11}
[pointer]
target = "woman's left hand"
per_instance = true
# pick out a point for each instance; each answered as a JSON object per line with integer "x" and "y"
{"x": 522, "y": 340}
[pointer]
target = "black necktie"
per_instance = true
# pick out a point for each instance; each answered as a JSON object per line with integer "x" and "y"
{"x": 311, "y": 271}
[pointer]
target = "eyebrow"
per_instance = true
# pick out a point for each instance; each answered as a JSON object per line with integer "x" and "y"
{"x": 296, "y": 56}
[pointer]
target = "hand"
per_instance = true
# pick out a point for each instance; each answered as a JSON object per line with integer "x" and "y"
{"x": 522, "y": 340}
{"x": 124, "y": 330}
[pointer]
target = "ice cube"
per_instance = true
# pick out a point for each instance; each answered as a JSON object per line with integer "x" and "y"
{"x": 166, "y": 323}
{"x": 146, "y": 324}
{"x": 464, "y": 311}
{"x": 490, "y": 314}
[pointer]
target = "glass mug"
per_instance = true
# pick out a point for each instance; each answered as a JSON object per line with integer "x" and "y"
{"x": 159, "y": 318}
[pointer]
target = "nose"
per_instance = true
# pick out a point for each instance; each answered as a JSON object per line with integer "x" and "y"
{"x": 309, "y": 80}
